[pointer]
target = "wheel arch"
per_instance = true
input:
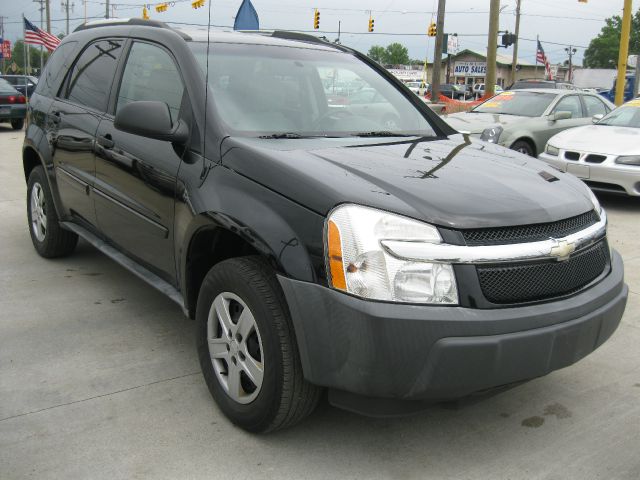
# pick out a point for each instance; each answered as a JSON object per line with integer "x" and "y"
{"x": 529, "y": 141}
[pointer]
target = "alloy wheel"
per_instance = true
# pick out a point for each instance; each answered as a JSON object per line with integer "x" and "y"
{"x": 38, "y": 208}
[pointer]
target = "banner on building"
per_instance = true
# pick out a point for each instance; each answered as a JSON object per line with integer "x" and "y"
{"x": 470, "y": 69}
{"x": 6, "y": 49}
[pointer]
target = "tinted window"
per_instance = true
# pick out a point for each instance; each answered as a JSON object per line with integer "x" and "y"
{"x": 90, "y": 79}
{"x": 518, "y": 102}
{"x": 55, "y": 69}
{"x": 595, "y": 106}
{"x": 570, "y": 104}
{"x": 151, "y": 74}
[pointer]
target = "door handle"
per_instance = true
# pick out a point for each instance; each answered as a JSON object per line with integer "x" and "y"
{"x": 56, "y": 117}
{"x": 106, "y": 141}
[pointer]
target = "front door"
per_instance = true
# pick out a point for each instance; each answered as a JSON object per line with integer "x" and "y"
{"x": 136, "y": 176}
{"x": 74, "y": 118}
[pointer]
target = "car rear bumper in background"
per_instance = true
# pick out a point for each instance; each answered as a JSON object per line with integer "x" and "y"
{"x": 605, "y": 177}
{"x": 8, "y": 112}
{"x": 363, "y": 349}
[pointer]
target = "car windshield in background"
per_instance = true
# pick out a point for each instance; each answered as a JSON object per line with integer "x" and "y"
{"x": 526, "y": 104}
{"x": 270, "y": 90}
{"x": 628, "y": 115}
{"x": 6, "y": 87}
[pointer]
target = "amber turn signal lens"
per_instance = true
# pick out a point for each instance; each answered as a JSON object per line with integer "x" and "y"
{"x": 335, "y": 257}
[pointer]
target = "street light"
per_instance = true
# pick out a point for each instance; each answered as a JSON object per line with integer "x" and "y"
{"x": 571, "y": 52}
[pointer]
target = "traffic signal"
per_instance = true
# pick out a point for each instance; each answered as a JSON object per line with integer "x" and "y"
{"x": 371, "y": 24}
{"x": 145, "y": 13}
{"x": 316, "y": 19}
{"x": 508, "y": 39}
{"x": 433, "y": 30}
{"x": 197, "y": 3}
{"x": 161, "y": 7}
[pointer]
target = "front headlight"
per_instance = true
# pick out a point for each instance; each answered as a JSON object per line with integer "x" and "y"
{"x": 491, "y": 135}
{"x": 358, "y": 264}
{"x": 596, "y": 203}
{"x": 551, "y": 150}
{"x": 629, "y": 160}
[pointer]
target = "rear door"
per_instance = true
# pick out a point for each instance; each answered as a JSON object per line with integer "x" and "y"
{"x": 568, "y": 103}
{"x": 74, "y": 118}
{"x": 136, "y": 176}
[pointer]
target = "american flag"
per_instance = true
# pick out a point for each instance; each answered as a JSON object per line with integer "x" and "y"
{"x": 542, "y": 58}
{"x": 35, "y": 36}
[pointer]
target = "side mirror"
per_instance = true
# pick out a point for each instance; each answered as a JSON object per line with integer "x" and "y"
{"x": 597, "y": 117}
{"x": 152, "y": 120}
{"x": 561, "y": 116}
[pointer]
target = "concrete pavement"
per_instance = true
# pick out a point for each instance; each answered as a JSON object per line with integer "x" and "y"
{"x": 99, "y": 379}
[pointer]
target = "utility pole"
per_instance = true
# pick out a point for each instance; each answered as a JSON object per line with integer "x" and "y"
{"x": 66, "y": 4}
{"x": 492, "y": 48}
{"x": 2, "y": 37}
{"x": 48, "y": 12}
{"x": 514, "y": 63}
{"x": 571, "y": 51}
{"x": 437, "y": 54}
{"x": 106, "y": 11}
{"x": 41, "y": 2}
{"x": 624, "y": 52}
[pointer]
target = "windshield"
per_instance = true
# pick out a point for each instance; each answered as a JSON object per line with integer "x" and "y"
{"x": 526, "y": 104}
{"x": 265, "y": 90}
{"x": 6, "y": 87}
{"x": 628, "y": 115}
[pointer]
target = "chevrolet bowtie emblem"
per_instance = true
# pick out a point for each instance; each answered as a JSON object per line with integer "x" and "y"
{"x": 562, "y": 249}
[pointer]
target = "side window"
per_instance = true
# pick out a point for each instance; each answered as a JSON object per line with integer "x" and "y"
{"x": 55, "y": 69}
{"x": 594, "y": 106}
{"x": 570, "y": 104}
{"x": 90, "y": 79}
{"x": 151, "y": 74}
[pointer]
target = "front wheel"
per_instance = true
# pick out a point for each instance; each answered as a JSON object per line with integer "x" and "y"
{"x": 17, "y": 123}
{"x": 49, "y": 239}
{"x": 247, "y": 348}
{"x": 522, "y": 147}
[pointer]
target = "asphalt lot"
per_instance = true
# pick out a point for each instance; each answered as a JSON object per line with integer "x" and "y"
{"x": 99, "y": 379}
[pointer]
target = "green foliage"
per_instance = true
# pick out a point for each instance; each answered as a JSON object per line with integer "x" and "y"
{"x": 17, "y": 56}
{"x": 394, "y": 54}
{"x": 603, "y": 50}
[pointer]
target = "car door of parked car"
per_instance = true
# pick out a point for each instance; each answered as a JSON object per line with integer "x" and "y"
{"x": 136, "y": 176}
{"x": 72, "y": 123}
{"x": 568, "y": 103}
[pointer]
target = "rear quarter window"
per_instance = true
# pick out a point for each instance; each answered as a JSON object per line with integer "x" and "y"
{"x": 55, "y": 69}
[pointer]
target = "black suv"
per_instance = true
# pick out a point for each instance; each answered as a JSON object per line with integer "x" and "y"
{"x": 316, "y": 245}
{"x": 539, "y": 83}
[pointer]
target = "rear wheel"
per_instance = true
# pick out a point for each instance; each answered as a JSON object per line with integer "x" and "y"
{"x": 247, "y": 348}
{"x": 522, "y": 146}
{"x": 49, "y": 239}
{"x": 17, "y": 123}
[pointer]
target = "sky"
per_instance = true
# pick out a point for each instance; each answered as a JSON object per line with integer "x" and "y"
{"x": 557, "y": 22}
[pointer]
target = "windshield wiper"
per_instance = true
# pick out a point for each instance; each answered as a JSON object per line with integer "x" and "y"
{"x": 382, "y": 133}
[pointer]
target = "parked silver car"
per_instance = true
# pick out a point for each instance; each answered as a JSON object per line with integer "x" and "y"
{"x": 606, "y": 156}
{"x": 524, "y": 120}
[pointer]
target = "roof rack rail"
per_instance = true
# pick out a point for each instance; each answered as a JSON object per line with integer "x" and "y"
{"x": 114, "y": 22}
{"x": 305, "y": 37}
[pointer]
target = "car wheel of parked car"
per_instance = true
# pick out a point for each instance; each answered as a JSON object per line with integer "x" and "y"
{"x": 17, "y": 123}
{"x": 247, "y": 347}
{"x": 523, "y": 147}
{"x": 49, "y": 238}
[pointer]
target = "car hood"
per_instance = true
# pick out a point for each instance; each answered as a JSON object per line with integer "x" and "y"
{"x": 475, "y": 123}
{"x": 602, "y": 139}
{"x": 453, "y": 182}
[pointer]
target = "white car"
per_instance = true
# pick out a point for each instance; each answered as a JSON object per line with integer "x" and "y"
{"x": 606, "y": 155}
{"x": 478, "y": 90}
{"x": 418, "y": 88}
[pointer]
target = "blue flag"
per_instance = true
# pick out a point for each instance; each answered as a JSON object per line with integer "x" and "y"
{"x": 247, "y": 17}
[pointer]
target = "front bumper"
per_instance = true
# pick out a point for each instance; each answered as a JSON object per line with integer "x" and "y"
{"x": 9, "y": 112}
{"x": 418, "y": 352}
{"x": 607, "y": 176}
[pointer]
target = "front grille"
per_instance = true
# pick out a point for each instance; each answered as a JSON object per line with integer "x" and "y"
{"x": 529, "y": 233}
{"x": 572, "y": 155}
{"x": 593, "y": 158}
{"x": 519, "y": 283}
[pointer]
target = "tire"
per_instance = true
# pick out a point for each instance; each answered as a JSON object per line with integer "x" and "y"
{"x": 17, "y": 123}
{"x": 49, "y": 239}
{"x": 283, "y": 397}
{"x": 522, "y": 146}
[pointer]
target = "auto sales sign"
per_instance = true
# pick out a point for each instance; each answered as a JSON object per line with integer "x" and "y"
{"x": 470, "y": 69}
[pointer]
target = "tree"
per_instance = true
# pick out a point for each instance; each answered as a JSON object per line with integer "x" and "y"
{"x": 17, "y": 56}
{"x": 378, "y": 54}
{"x": 603, "y": 50}
{"x": 397, "y": 54}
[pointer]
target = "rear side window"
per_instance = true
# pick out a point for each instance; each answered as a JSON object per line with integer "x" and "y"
{"x": 151, "y": 74}
{"x": 595, "y": 106}
{"x": 89, "y": 82}
{"x": 55, "y": 68}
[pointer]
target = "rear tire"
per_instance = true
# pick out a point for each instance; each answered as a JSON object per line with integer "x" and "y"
{"x": 17, "y": 123}
{"x": 247, "y": 288}
{"x": 49, "y": 239}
